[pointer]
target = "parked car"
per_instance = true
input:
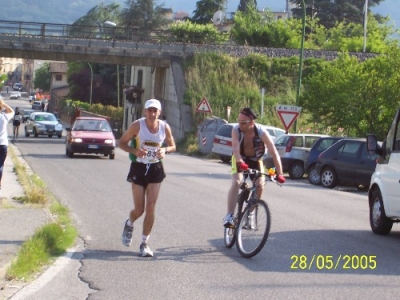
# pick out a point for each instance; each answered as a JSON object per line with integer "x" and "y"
{"x": 17, "y": 87}
{"x": 384, "y": 192}
{"x": 222, "y": 144}
{"x": 90, "y": 135}
{"x": 15, "y": 95}
{"x": 43, "y": 123}
{"x": 37, "y": 105}
{"x": 293, "y": 150}
{"x": 347, "y": 162}
{"x": 320, "y": 146}
{"x": 26, "y": 113}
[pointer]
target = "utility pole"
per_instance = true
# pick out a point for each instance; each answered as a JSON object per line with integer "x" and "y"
{"x": 301, "y": 58}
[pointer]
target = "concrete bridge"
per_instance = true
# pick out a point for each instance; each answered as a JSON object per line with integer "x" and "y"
{"x": 156, "y": 58}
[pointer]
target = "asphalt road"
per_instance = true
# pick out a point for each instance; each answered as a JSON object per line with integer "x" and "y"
{"x": 320, "y": 245}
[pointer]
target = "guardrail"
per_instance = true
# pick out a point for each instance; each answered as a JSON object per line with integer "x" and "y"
{"x": 104, "y": 32}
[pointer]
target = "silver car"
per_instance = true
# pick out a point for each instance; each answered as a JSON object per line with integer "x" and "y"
{"x": 43, "y": 123}
{"x": 293, "y": 150}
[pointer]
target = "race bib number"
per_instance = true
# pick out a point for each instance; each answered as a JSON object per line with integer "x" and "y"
{"x": 151, "y": 155}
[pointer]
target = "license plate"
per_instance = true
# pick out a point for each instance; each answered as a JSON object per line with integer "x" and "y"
{"x": 222, "y": 142}
{"x": 93, "y": 147}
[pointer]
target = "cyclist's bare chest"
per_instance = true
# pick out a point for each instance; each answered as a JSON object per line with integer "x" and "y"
{"x": 248, "y": 145}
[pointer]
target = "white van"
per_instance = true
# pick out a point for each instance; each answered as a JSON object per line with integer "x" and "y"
{"x": 384, "y": 190}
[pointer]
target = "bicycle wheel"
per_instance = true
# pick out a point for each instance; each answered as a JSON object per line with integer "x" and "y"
{"x": 230, "y": 233}
{"x": 253, "y": 229}
{"x": 229, "y": 237}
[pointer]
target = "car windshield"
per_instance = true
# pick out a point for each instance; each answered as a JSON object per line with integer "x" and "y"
{"x": 91, "y": 125}
{"x": 282, "y": 140}
{"x": 325, "y": 144}
{"x": 225, "y": 130}
{"x": 48, "y": 117}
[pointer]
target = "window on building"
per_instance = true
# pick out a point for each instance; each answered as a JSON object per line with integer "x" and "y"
{"x": 58, "y": 77}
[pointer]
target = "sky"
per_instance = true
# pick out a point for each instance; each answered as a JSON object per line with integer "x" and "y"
{"x": 385, "y": 8}
{"x": 190, "y": 6}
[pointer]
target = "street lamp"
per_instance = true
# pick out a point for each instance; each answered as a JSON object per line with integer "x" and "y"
{"x": 301, "y": 58}
{"x": 365, "y": 24}
{"x": 112, "y": 24}
{"x": 91, "y": 83}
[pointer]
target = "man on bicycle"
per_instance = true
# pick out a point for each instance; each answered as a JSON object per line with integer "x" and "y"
{"x": 248, "y": 147}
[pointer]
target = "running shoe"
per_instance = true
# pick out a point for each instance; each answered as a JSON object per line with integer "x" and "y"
{"x": 229, "y": 221}
{"x": 145, "y": 250}
{"x": 251, "y": 221}
{"x": 127, "y": 234}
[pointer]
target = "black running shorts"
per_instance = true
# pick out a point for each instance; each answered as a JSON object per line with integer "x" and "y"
{"x": 143, "y": 174}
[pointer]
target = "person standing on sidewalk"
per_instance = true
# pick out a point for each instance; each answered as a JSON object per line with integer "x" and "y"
{"x": 143, "y": 141}
{"x": 16, "y": 123}
{"x": 6, "y": 114}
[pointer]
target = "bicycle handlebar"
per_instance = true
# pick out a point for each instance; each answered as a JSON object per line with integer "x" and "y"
{"x": 258, "y": 174}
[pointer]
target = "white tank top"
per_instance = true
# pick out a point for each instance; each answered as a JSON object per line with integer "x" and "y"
{"x": 150, "y": 141}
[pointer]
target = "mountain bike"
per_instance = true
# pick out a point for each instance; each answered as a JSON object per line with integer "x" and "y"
{"x": 252, "y": 217}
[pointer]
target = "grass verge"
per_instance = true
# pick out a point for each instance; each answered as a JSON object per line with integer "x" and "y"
{"x": 49, "y": 241}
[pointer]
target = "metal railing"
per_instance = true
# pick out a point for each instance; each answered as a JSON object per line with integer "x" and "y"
{"x": 103, "y": 32}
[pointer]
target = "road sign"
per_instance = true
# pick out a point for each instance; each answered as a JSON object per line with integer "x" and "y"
{"x": 203, "y": 106}
{"x": 288, "y": 114}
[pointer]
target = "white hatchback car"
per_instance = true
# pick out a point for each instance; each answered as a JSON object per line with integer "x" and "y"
{"x": 222, "y": 144}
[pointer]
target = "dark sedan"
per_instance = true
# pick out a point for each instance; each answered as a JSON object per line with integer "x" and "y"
{"x": 320, "y": 146}
{"x": 90, "y": 135}
{"x": 346, "y": 162}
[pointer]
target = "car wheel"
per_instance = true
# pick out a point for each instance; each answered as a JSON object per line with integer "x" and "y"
{"x": 70, "y": 154}
{"x": 26, "y": 133}
{"x": 380, "y": 224}
{"x": 59, "y": 135}
{"x": 329, "y": 178}
{"x": 50, "y": 135}
{"x": 313, "y": 176}
{"x": 296, "y": 170}
{"x": 35, "y": 133}
{"x": 225, "y": 159}
{"x": 112, "y": 155}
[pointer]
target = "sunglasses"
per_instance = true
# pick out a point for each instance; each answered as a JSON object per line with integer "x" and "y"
{"x": 244, "y": 122}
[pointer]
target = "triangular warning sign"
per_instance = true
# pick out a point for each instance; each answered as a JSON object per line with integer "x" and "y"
{"x": 287, "y": 118}
{"x": 203, "y": 106}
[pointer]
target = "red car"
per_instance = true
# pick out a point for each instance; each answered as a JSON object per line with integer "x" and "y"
{"x": 90, "y": 135}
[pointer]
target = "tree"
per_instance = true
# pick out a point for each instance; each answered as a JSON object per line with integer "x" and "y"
{"x": 329, "y": 12}
{"x": 103, "y": 87}
{"x": 243, "y": 5}
{"x": 144, "y": 15}
{"x": 252, "y": 29}
{"x": 205, "y": 10}
{"x": 189, "y": 32}
{"x": 350, "y": 37}
{"x": 42, "y": 78}
{"x": 360, "y": 97}
{"x": 92, "y": 24}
